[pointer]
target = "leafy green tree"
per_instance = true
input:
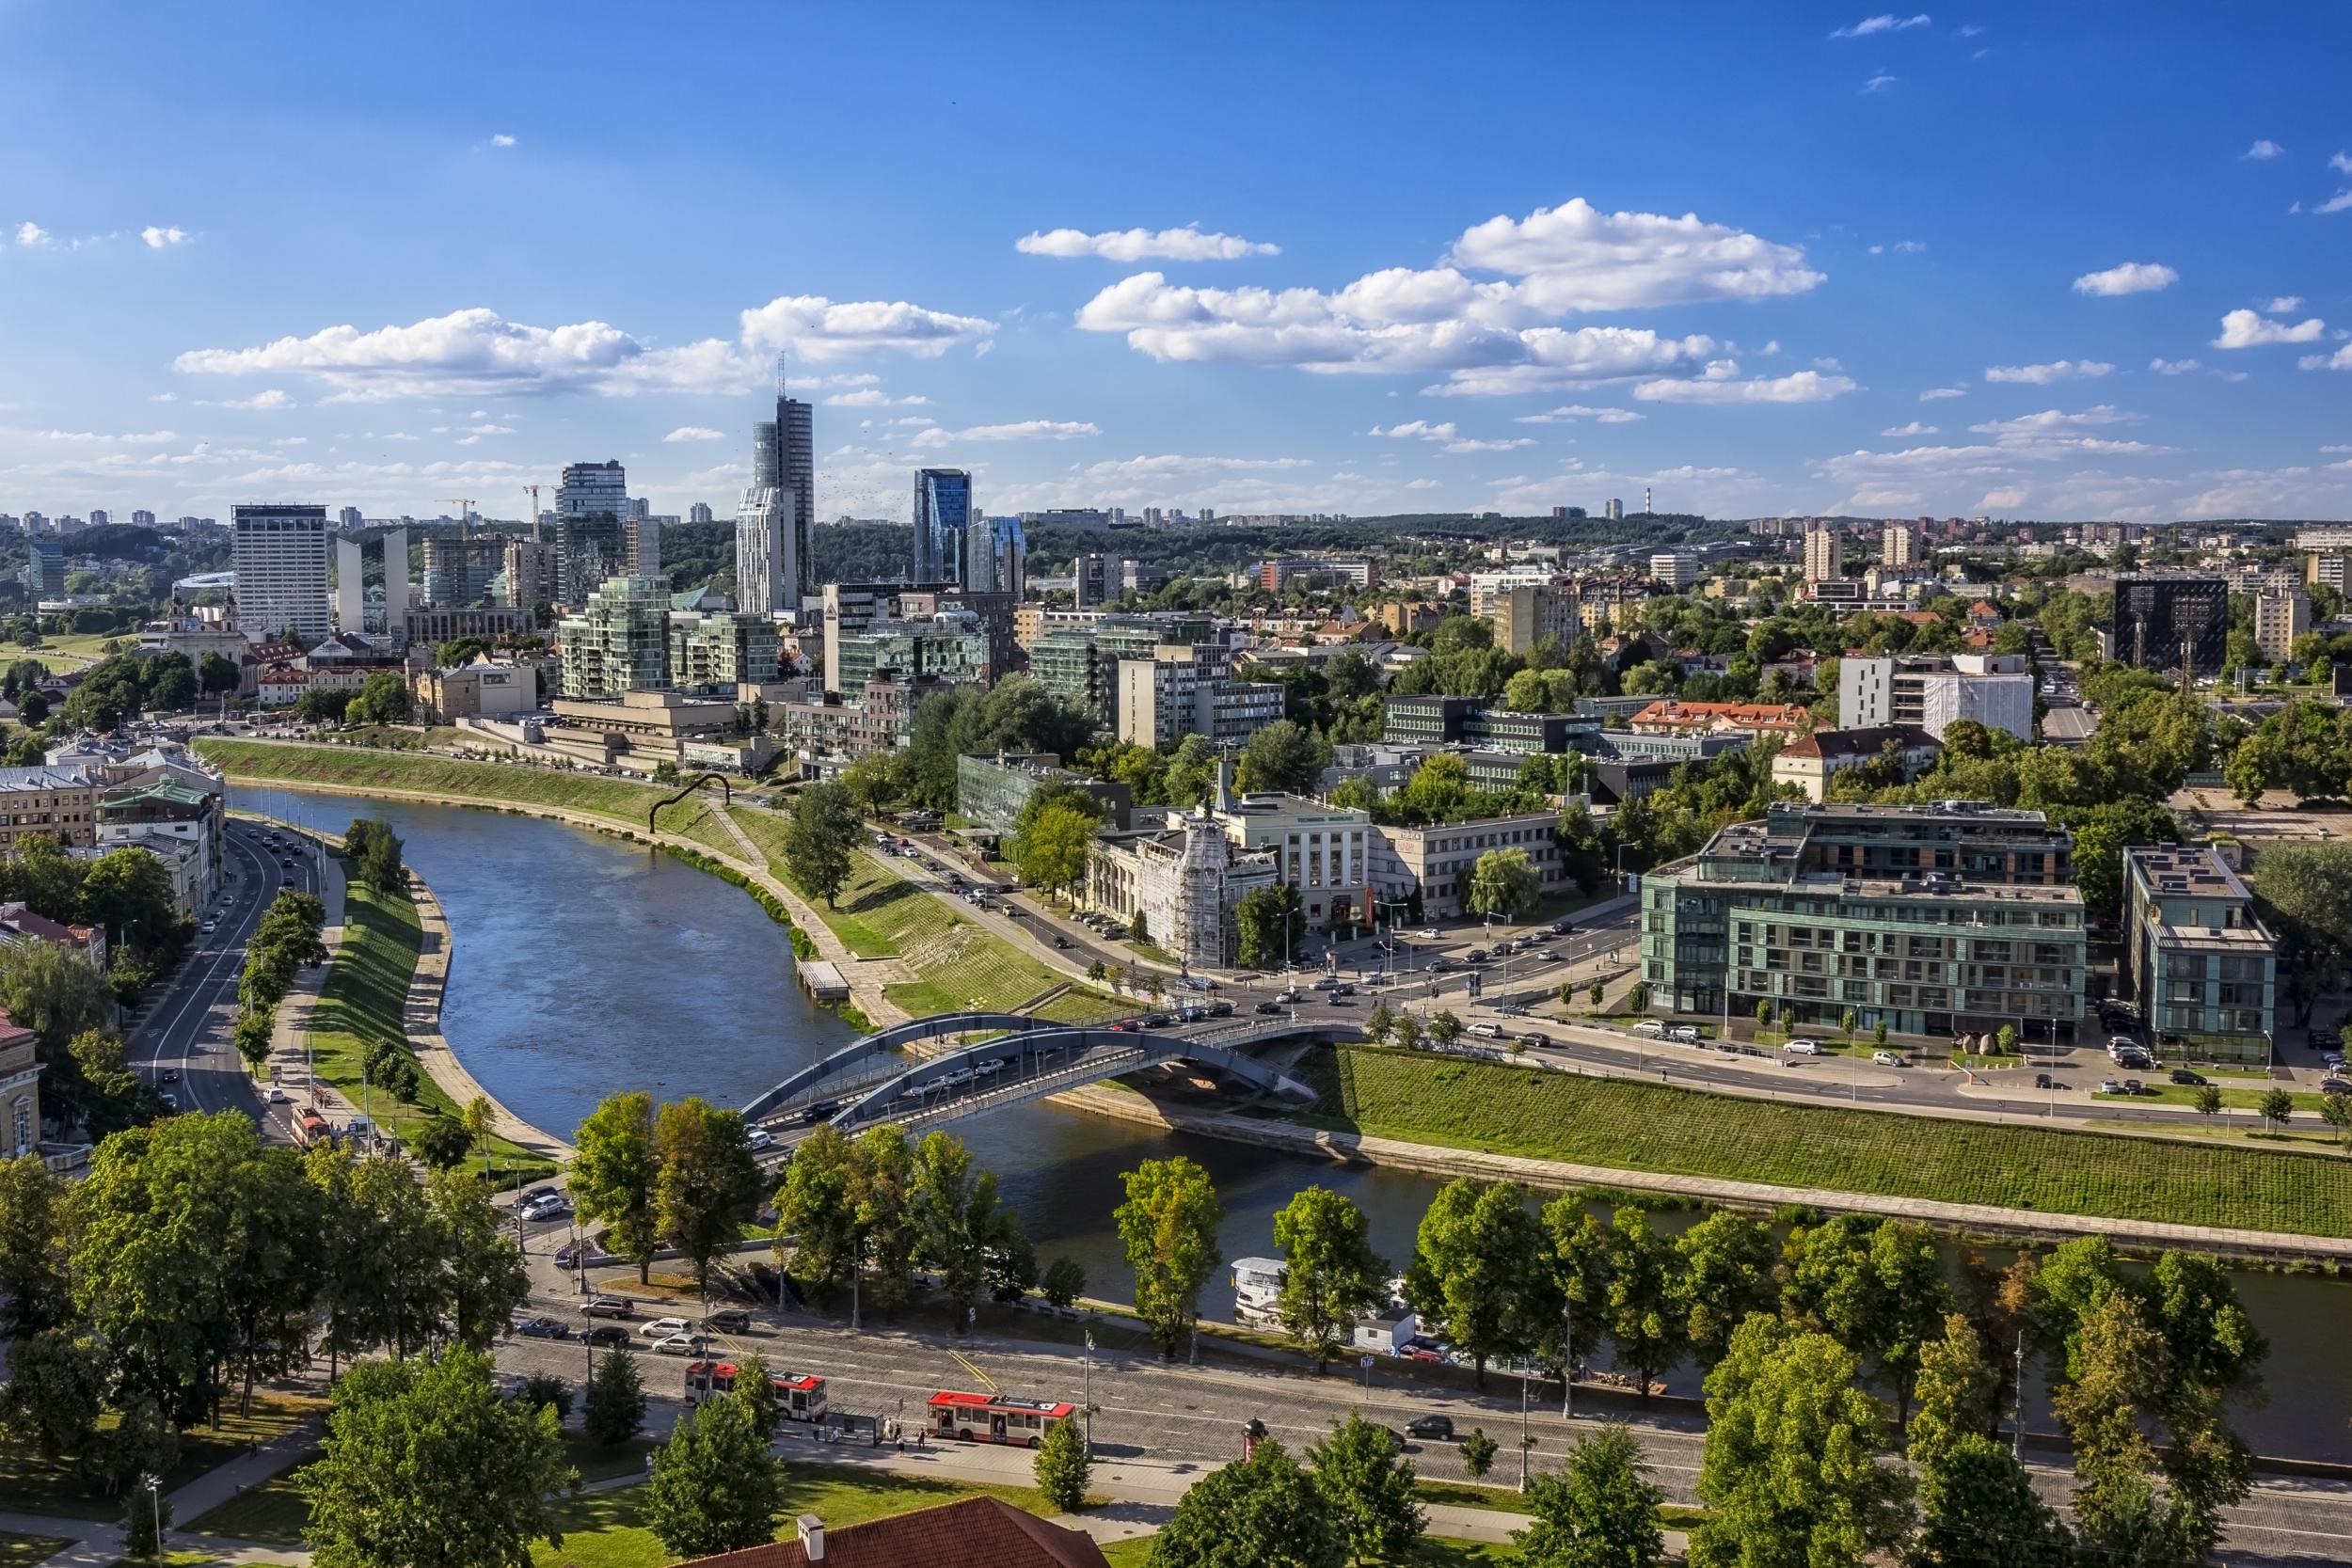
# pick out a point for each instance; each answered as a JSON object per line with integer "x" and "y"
{"x": 440, "y": 1142}
{"x": 614, "y": 1171}
{"x": 707, "y": 1186}
{"x": 1282, "y": 757}
{"x": 1065, "y": 1282}
{"x": 375, "y": 850}
{"x": 1478, "y": 1453}
{"x": 877, "y": 780}
{"x": 145, "y": 1516}
{"x": 1380, "y": 1024}
{"x": 1637, "y": 1000}
{"x": 2334, "y": 1109}
{"x": 1503, "y": 885}
{"x": 1367, "y": 1488}
{"x": 34, "y": 1202}
{"x": 1726, "y": 1274}
{"x": 1977, "y": 1510}
{"x": 1644, "y": 1323}
{"x": 958, "y": 1224}
{"x": 817, "y": 1207}
{"x": 381, "y": 1255}
{"x": 1957, "y": 1387}
{"x": 1063, "y": 1467}
{"x": 1052, "y": 848}
{"x": 423, "y": 1462}
{"x": 1407, "y": 1031}
{"x": 1580, "y": 1265}
{"x": 1445, "y": 1027}
{"x": 1481, "y": 1275}
{"x": 481, "y": 1280}
{"x": 545, "y": 1389}
{"x": 129, "y": 894}
{"x": 1268, "y": 922}
{"x": 59, "y": 996}
{"x": 882, "y": 1203}
{"x": 1264, "y": 1512}
{"x": 1792, "y": 1473}
{"x": 1168, "y": 1228}
{"x": 1602, "y": 1511}
{"x": 2277, "y": 1107}
{"x": 383, "y": 699}
{"x": 819, "y": 842}
{"x": 715, "y": 1487}
{"x": 1331, "y": 1277}
{"x": 616, "y": 1402}
{"x": 55, "y": 1392}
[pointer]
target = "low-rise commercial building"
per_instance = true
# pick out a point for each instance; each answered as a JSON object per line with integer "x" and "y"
{"x": 1427, "y": 870}
{"x": 1935, "y": 693}
{"x": 1810, "y": 761}
{"x": 1322, "y": 852}
{"x": 2204, "y": 969}
{"x": 182, "y": 824}
{"x": 483, "y": 688}
{"x": 1933, "y": 920}
{"x": 59, "y": 802}
{"x": 1670, "y": 716}
{"x": 992, "y": 791}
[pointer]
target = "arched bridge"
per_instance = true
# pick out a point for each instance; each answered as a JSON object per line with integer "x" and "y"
{"x": 1037, "y": 1058}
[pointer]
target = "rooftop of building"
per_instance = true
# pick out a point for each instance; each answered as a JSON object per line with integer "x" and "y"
{"x": 1672, "y": 710}
{"x": 1935, "y": 811}
{"x": 25, "y": 781}
{"x": 1866, "y": 741}
{"x": 2190, "y": 870}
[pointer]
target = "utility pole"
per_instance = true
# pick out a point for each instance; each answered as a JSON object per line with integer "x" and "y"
{"x": 2017, "y": 1435}
{"x": 1089, "y": 1395}
{"x": 1523, "y": 1438}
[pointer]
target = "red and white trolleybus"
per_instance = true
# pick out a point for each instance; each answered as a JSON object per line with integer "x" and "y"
{"x": 800, "y": 1396}
{"x": 996, "y": 1418}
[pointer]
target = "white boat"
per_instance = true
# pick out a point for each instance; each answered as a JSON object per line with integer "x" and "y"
{"x": 1257, "y": 1282}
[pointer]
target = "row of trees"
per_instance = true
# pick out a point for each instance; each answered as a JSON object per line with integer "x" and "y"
{"x": 288, "y": 940}
{"x": 681, "y": 1176}
{"x": 196, "y": 1258}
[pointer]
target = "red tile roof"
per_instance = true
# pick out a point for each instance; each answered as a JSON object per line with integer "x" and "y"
{"x": 974, "y": 1532}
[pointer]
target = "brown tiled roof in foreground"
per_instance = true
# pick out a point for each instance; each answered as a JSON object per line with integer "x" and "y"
{"x": 974, "y": 1532}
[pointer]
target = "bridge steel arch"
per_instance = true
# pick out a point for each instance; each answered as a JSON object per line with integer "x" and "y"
{"x": 836, "y": 1072}
{"x": 726, "y": 796}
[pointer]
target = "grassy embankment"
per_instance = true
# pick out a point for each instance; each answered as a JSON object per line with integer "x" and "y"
{"x": 364, "y": 1001}
{"x": 1635, "y": 1127}
{"x": 490, "y": 783}
{"x": 960, "y": 964}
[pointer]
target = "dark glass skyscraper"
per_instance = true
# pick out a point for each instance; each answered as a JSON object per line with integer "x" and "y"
{"x": 2170, "y": 623}
{"x": 942, "y": 509}
{"x": 784, "y": 458}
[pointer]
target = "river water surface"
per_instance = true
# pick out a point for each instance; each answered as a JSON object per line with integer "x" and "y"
{"x": 582, "y": 965}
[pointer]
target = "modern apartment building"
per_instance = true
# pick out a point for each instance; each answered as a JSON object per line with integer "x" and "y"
{"x": 618, "y": 641}
{"x": 1435, "y": 865}
{"x": 784, "y": 457}
{"x": 1675, "y": 568}
{"x": 1188, "y": 689}
{"x": 719, "y": 652}
{"x": 2281, "y": 616}
{"x": 530, "y": 569}
{"x": 1935, "y": 920}
{"x": 1934, "y": 692}
{"x": 1097, "y": 579}
{"x": 2329, "y": 568}
{"x": 766, "y": 563}
{"x": 1824, "y": 553}
{"x": 1080, "y": 664}
{"x": 2170, "y": 623}
{"x": 2205, "y": 971}
{"x": 942, "y": 511}
{"x": 280, "y": 555}
{"x": 1433, "y": 721}
{"x": 460, "y": 571}
{"x": 640, "y": 543}
{"x": 994, "y": 552}
{"x": 44, "y": 568}
{"x": 951, "y": 647}
{"x": 1898, "y": 546}
{"x": 1525, "y": 614}
{"x": 592, "y": 540}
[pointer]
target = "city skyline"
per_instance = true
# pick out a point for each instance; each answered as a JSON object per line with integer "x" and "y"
{"x": 1833, "y": 262}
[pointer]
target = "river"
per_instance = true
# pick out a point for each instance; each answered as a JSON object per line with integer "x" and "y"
{"x": 582, "y": 965}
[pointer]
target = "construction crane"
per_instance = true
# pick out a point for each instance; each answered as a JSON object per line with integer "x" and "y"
{"x": 465, "y": 512}
{"x": 534, "y": 511}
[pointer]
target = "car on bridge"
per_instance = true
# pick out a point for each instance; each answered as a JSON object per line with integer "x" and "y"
{"x": 1220, "y": 1010}
{"x": 1269, "y": 1009}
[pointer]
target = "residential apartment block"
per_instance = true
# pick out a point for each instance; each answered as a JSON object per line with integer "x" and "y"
{"x": 1188, "y": 689}
{"x": 59, "y": 802}
{"x": 1434, "y": 866}
{"x": 1932, "y": 693}
{"x": 618, "y": 643}
{"x": 2205, "y": 971}
{"x": 1934, "y": 920}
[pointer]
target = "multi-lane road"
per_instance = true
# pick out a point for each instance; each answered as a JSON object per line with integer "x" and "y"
{"x": 180, "y": 1039}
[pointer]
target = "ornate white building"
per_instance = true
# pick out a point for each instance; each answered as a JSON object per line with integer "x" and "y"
{"x": 1185, "y": 878}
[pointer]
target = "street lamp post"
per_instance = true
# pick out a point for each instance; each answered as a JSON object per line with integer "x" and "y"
{"x": 1089, "y": 1393}
{"x": 1524, "y": 1441}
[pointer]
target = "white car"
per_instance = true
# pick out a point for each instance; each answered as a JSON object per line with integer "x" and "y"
{"x": 1802, "y": 1047}
{"x": 280, "y": 1096}
{"x": 1649, "y": 1026}
{"x": 1684, "y": 1034}
{"x": 1486, "y": 1031}
{"x": 210, "y": 927}
{"x": 1885, "y": 1059}
{"x": 760, "y": 1137}
{"x": 661, "y": 1329}
{"x": 681, "y": 1344}
{"x": 1428, "y": 933}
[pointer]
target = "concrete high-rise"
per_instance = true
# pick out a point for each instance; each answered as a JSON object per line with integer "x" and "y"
{"x": 1898, "y": 545}
{"x": 767, "y": 561}
{"x": 279, "y": 554}
{"x": 698, "y": 513}
{"x": 351, "y": 598}
{"x": 641, "y": 541}
{"x": 784, "y": 457}
{"x": 592, "y": 541}
{"x": 942, "y": 511}
{"x": 1824, "y": 554}
{"x": 2281, "y": 616}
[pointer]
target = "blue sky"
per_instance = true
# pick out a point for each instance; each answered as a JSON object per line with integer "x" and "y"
{"x": 1291, "y": 257}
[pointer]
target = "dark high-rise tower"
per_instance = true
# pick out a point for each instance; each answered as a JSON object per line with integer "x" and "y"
{"x": 784, "y": 458}
{"x": 942, "y": 508}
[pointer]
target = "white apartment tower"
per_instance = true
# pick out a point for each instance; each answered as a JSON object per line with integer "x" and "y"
{"x": 1898, "y": 546}
{"x": 279, "y": 553}
{"x": 2281, "y": 616}
{"x": 766, "y": 563}
{"x": 1825, "y": 556}
{"x": 350, "y": 601}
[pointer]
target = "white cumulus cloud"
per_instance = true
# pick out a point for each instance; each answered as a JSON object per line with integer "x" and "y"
{"x": 1188, "y": 244}
{"x": 1800, "y": 387}
{"x": 2336, "y": 203}
{"x": 2263, "y": 150}
{"x": 1869, "y": 26}
{"x": 2340, "y": 360}
{"x": 1570, "y": 413}
{"x": 501, "y": 139}
{"x": 2249, "y": 329}
{"x": 31, "y": 233}
{"x": 695, "y": 433}
{"x": 2285, "y": 303}
{"x": 1467, "y": 444}
{"x": 1914, "y": 428}
{"x": 2131, "y": 278}
{"x": 1936, "y": 394}
{"x": 159, "y": 239}
{"x": 2041, "y": 376}
{"x": 1024, "y": 430}
{"x": 2172, "y": 367}
{"x": 1421, "y": 429}
{"x": 2341, "y": 163}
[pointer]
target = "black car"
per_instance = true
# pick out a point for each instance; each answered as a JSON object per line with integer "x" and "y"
{"x": 1475, "y": 955}
{"x": 1439, "y": 1427}
{"x": 1155, "y": 1020}
{"x": 2182, "y": 1075}
{"x": 1439, "y": 966}
{"x": 1061, "y": 942}
{"x": 608, "y": 1336}
{"x": 2043, "y": 1080}
{"x": 1269, "y": 1009}
{"x": 1220, "y": 1010}
{"x": 733, "y": 1320}
{"x": 1535, "y": 1037}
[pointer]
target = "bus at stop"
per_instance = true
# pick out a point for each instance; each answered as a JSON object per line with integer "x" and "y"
{"x": 800, "y": 1396}
{"x": 995, "y": 1418}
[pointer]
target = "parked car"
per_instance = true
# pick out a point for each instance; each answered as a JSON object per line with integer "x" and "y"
{"x": 2133, "y": 1086}
{"x": 2043, "y": 1080}
{"x": 1684, "y": 1034}
{"x": 571, "y": 1254}
{"x": 210, "y": 927}
{"x": 2182, "y": 1075}
{"x": 543, "y": 1328}
{"x": 609, "y": 1306}
{"x": 2334, "y": 1086}
{"x": 732, "y": 1320}
{"x": 1437, "y": 1427}
{"x": 2109, "y": 1085}
{"x": 1802, "y": 1047}
{"x": 608, "y": 1336}
{"x": 1885, "y": 1059}
{"x": 660, "y": 1328}
{"x": 1649, "y": 1026}
{"x": 681, "y": 1344}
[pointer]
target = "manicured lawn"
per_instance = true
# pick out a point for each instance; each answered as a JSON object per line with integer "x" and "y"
{"x": 449, "y": 779}
{"x": 365, "y": 1000}
{"x": 32, "y": 1484}
{"x": 602, "y": 1528}
{"x": 22, "y": 1551}
{"x": 1646, "y": 1126}
{"x": 272, "y": 1513}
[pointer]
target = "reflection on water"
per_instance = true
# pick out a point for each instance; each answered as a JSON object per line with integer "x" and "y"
{"x": 584, "y": 964}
